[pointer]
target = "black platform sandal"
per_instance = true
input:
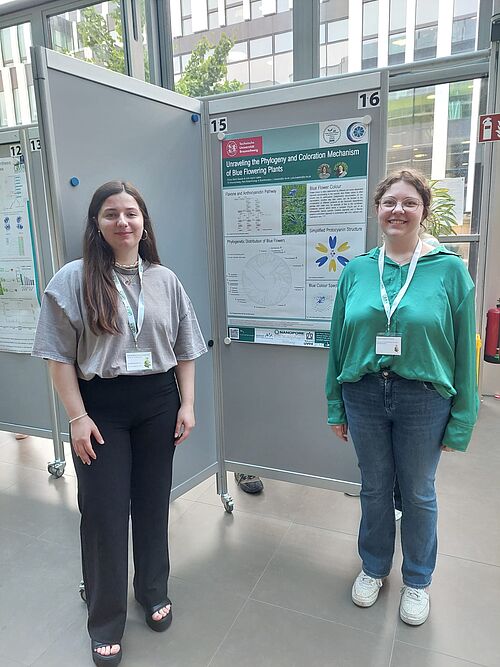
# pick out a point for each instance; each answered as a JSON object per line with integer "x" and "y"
{"x": 166, "y": 621}
{"x": 105, "y": 660}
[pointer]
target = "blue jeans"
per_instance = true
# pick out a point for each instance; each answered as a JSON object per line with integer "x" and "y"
{"x": 397, "y": 427}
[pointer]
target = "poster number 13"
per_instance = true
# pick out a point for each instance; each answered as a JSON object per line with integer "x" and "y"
{"x": 369, "y": 99}
{"x": 218, "y": 125}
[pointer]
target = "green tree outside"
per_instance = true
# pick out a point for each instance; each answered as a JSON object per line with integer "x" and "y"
{"x": 94, "y": 34}
{"x": 206, "y": 71}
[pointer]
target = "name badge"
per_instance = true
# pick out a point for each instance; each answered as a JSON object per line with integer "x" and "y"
{"x": 140, "y": 360}
{"x": 388, "y": 344}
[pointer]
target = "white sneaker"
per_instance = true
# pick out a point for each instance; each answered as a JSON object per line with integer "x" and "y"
{"x": 397, "y": 514}
{"x": 365, "y": 590}
{"x": 415, "y": 605}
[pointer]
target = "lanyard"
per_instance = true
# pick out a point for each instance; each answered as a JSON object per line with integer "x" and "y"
{"x": 390, "y": 310}
{"x": 135, "y": 328}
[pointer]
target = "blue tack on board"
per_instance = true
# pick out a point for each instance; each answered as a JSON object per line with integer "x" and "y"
{"x": 195, "y": 117}
{"x": 74, "y": 181}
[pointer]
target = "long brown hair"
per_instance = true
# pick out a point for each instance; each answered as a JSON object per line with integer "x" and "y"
{"x": 412, "y": 177}
{"x": 99, "y": 290}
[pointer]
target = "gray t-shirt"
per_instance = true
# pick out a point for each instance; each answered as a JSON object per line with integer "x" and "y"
{"x": 170, "y": 330}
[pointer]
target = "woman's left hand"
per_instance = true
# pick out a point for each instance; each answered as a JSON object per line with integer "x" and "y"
{"x": 445, "y": 448}
{"x": 185, "y": 423}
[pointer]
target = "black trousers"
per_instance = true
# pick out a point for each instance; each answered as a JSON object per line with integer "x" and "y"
{"x": 136, "y": 416}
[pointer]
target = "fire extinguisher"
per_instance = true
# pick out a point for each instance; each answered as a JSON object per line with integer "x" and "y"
{"x": 492, "y": 342}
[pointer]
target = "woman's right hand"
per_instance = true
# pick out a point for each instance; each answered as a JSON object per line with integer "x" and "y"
{"x": 81, "y": 432}
{"x": 340, "y": 431}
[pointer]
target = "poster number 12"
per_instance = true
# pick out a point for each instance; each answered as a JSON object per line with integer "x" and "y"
{"x": 369, "y": 99}
{"x": 218, "y": 125}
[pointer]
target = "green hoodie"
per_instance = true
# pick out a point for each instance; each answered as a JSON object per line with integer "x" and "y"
{"x": 436, "y": 319}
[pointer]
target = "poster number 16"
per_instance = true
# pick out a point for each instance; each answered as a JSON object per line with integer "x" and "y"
{"x": 218, "y": 125}
{"x": 369, "y": 99}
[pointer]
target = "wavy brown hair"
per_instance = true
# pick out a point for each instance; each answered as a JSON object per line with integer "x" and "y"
{"x": 99, "y": 290}
{"x": 412, "y": 177}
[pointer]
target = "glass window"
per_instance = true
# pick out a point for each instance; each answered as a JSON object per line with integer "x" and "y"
{"x": 100, "y": 35}
{"x": 370, "y": 53}
{"x": 336, "y": 58}
{"x": 261, "y": 47}
{"x": 397, "y": 15}
{"x": 17, "y": 101}
{"x": 411, "y": 141}
{"x": 283, "y": 42}
{"x": 426, "y": 11}
{"x": 465, "y": 7}
{"x": 3, "y": 107}
{"x": 261, "y": 72}
{"x": 213, "y": 20}
{"x": 238, "y": 52}
{"x": 186, "y": 7}
{"x": 235, "y": 57}
{"x": 15, "y": 95}
{"x": 322, "y": 33}
{"x": 187, "y": 27}
{"x": 338, "y": 30}
{"x": 7, "y": 47}
{"x": 463, "y": 36}
{"x": 234, "y": 15}
{"x": 397, "y": 44}
{"x": 425, "y": 43}
{"x": 239, "y": 72}
{"x": 283, "y": 5}
{"x": 370, "y": 18}
{"x": 283, "y": 67}
{"x": 31, "y": 92}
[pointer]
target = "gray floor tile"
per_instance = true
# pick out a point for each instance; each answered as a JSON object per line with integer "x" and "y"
{"x": 71, "y": 649}
{"x": 465, "y": 613}
{"x": 33, "y": 453}
{"x": 178, "y": 508}
{"x": 313, "y": 571}
{"x": 278, "y": 499}
{"x": 196, "y": 492}
{"x": 331, "y": 510}
{"x": 228, "y": 550}
{"x": 7, "y": 475}
{"x": 203, "y": 614}
{"x": 469, "y": 526}
{"x": 36, "y": 501}
{"x": 40, "y": 584}
{"x": 405, "y": 655}
{"x": 8, "y": 662}
{"x": 272, "y": 637}
{"x": 11, "y": 544}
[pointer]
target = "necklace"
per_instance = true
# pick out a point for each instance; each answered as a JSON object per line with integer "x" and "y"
{"x": 130, "y": 279}
{"x": 128, "y": 266}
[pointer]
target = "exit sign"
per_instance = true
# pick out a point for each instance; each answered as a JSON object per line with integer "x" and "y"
{"x": 489, "y": 127}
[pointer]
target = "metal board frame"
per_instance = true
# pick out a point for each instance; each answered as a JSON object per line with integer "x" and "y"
{"x": 97, "y": 125}
{"x": 263, "y": 429}
{"x": 22, "y": 375}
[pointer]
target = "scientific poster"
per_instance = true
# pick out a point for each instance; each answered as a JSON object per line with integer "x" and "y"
{"x": 294, "y": 203}
{"x": 19, "y": 306}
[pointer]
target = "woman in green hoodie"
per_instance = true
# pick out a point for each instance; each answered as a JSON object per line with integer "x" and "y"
{"x": 401, "y": 375}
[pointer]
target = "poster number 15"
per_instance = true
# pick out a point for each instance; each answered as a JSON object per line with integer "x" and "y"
{"x": 369, "y": 99}
{"x": 218, "y": 125}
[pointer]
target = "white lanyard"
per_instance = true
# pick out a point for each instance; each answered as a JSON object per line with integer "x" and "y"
{"x": 135, "y": 328}
{"x": 390, "y": 310}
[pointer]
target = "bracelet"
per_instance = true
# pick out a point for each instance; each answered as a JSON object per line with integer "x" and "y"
{"x": 75, "y": 418}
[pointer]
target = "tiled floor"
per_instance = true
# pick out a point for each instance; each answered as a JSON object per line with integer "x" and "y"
{"x": 268, "y": 585}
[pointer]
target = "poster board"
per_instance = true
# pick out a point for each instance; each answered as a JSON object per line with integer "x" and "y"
{"x": 274, "y": 407}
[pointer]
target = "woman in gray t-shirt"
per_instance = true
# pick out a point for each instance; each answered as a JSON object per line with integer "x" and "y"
{"x": 121, "y": 337}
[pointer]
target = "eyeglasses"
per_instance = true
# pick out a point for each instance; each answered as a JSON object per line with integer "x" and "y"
{"x": 390, "y": 204}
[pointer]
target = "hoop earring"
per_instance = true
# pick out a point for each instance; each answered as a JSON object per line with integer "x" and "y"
{"x": 144, "y": 238}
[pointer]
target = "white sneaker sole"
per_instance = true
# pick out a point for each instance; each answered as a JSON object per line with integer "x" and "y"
{"x": 364, "y": 602}
{"x": 412, "y": 620}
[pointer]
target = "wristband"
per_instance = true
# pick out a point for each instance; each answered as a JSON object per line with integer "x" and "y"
{"x": 75, "y": 418}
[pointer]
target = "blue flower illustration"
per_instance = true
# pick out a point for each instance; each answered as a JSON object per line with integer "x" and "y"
{"x": 331, "y": 253}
